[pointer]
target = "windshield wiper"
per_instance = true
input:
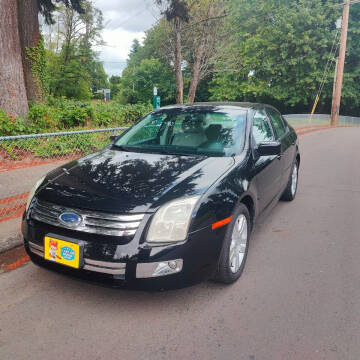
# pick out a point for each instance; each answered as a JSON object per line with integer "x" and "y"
{"x": 123, "y": 148}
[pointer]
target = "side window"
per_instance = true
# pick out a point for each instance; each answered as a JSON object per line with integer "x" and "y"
{"x": 261, "y": 130}
{"x": 277, "y": 122}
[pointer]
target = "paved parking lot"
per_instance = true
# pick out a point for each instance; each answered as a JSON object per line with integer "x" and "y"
{"x": 299, "y": 297}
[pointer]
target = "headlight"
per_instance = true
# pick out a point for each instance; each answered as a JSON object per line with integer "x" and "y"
{"x": 33, "y": 191}
{"x": 171, "y": 222}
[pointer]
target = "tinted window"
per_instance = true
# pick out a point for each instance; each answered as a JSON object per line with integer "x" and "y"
{"x": 277, "y": 122}
{"x": 261, "y": 128}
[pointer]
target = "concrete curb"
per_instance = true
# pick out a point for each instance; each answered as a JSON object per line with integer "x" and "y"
{"x": 10, "y": 241}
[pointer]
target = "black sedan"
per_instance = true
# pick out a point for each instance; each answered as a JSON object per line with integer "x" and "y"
{"x": 170, "y": 202}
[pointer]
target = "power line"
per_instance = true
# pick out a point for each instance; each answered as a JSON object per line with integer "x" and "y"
{"x": 342, "y": 4}
{"x": 327, "y": 69}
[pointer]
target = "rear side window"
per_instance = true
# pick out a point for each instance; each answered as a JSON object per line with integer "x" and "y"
{"x": 277, "y": 122}
{"x": 261, "y": 128}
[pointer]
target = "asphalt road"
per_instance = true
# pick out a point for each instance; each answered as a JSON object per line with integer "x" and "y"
{"x": 299, "y": 297}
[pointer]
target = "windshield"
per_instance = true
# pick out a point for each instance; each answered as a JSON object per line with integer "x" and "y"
{"x": 188, "y": 131}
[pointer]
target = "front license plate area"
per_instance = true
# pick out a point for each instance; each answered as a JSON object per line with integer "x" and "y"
{"x": 62, "y": 251}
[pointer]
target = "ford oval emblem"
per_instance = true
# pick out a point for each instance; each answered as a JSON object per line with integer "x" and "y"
{"x": 70, "y": 219}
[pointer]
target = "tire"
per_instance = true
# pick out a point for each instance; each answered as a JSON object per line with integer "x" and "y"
{"x": 291, "y": 188}
{"x": 228, "y": 270}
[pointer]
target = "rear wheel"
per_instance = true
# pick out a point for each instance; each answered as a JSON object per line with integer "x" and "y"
{"x": 291, "y": 187}
{"x": 235, "y": 248}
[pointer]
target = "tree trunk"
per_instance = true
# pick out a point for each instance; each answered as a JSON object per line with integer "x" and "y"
{"x": 29, "y": 37}
{"x": 198, "y": 58}
{"x": 196, "y": 75}
{"x": 12, "y": 84}
{"x": 178, "y": 61}
{"x": 194, "y": 83}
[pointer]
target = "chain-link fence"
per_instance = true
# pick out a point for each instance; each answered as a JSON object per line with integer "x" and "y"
{"x": 25, "y": 158}
{"x": 305, "y": 120}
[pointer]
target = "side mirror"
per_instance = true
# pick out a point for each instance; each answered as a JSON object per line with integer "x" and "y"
{"x": 113, "y": 138}
{"x": 269, "y": 148}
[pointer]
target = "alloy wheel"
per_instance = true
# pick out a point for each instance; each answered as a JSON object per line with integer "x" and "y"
{"x": 238, "y": 243}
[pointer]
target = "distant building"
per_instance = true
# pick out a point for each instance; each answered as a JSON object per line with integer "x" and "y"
{"x": 106, "y": 93}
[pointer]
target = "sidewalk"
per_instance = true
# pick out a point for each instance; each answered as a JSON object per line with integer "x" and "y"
{"x": 18, "y": 181}
{"x": 12, "y": 183}
{"x": 10, "y": 235}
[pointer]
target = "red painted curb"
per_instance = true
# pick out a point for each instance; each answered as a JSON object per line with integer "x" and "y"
{"x": 20, "y": 165}
{"x": 13, "y": 216}
{"x": 13, "y": 259}
{"x": 11, "y": 199}
{"x": 17, "y": 263}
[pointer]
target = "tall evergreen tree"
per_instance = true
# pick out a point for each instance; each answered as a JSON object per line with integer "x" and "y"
{"x": 23, "y": 34}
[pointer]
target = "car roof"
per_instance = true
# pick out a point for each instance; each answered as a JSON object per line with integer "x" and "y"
{"x": 224, "y": 104}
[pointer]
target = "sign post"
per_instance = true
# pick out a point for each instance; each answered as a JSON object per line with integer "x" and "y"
{"x": 156, "y": 99}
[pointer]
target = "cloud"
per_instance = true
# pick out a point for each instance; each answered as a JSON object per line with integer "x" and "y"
{"x": 125, "y": 20}
{"x": 133, "y": 16}
{"x": 116, "y": 51}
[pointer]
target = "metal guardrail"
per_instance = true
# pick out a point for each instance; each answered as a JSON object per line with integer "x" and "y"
{"x": 319, "y": 119}
{"x": 53, "y": 149}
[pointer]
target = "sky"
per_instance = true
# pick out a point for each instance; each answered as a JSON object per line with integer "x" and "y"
{"x": 124, "y": 20}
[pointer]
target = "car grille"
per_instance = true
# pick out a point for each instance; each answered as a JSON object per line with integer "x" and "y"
{"x": 95, "y": 222}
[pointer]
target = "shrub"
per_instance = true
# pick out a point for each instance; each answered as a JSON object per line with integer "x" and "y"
{"x": 115, "y": 114}
{"x": 60, "y": 114}
{"x": 10, "y": 125}
{"x": 132, "y": 113}
{"x": 99, "y": 96}
{"x": 74, "y": 117}
{"x": 42, "y": 117}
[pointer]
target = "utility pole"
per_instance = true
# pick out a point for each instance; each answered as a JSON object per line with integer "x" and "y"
{"x": 339, "y": 74}
{"x": 334, "y": 87}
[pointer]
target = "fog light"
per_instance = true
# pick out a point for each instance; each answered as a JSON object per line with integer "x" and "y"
{"x": 163, "y": 268}
{"x": 172, "y": 264}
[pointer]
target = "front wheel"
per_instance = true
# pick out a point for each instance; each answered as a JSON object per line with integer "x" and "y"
{"x": 235, "y": 248}
{"x": 291, "y": 187}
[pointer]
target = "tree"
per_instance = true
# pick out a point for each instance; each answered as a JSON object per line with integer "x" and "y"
{"x": 19, "y": 31}
{"x": 12, "y": 84}
{"x": 277, "y": 53}
{"x": 115, "y": 86}
{"x": 197, "y": 39}
{"x": 177, "y": 13}
{"x": 204, "y": 40}
{"x": 351, "y": 86}
{"x": 76, "y": 62}
{"x": 137, "y": 83}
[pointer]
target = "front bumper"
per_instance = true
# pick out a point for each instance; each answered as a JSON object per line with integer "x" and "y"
{"x": 119, "y": 263}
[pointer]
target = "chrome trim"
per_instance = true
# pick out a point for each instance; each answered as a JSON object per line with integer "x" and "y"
{"x": 92, "y": 221}
{"x": 36, "y": 246}
{"x": 107, "y": 264}
{"x": 105, "y": 267}
{"x": 37, "y": 252}
{"x": 104, "y": 270}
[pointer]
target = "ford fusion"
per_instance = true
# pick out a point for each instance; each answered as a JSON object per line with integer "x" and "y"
{"x": 170, "y": 202}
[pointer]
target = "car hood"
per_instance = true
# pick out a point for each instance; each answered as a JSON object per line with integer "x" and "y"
{"x": 124, "y": 182}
